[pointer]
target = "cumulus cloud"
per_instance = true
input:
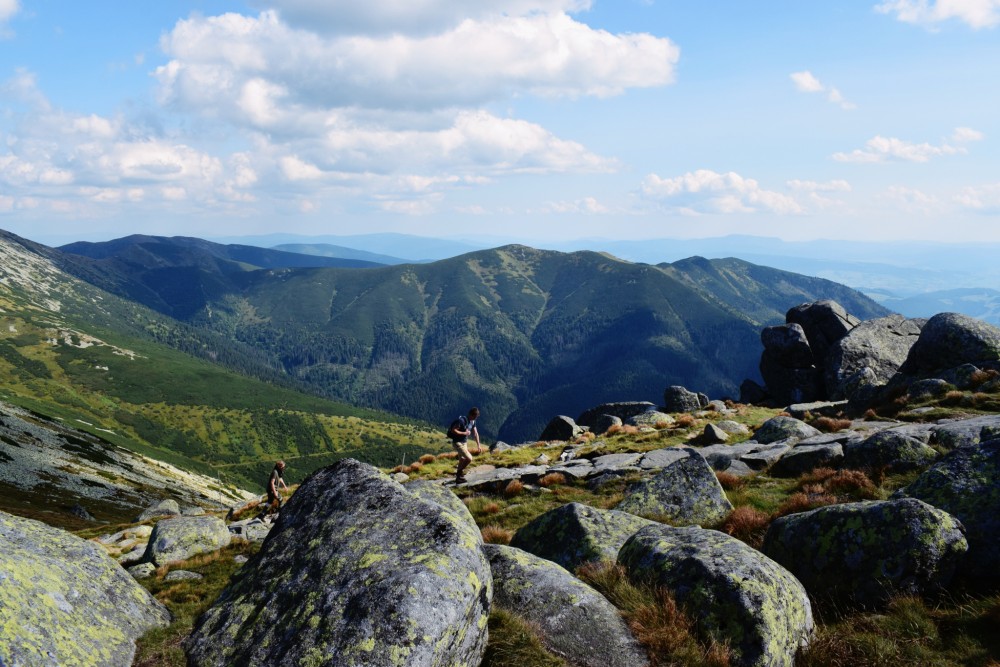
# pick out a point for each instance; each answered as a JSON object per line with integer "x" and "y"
{"x": 885, "y": 149}
{"x": 983, "y": 198}
{"x": 912, "y": 200}
{"x": 806, "y": 82}
{"x": 706, "y": 191}
{"x": 413, "y": 17}
{"x": 585, "y": 206}
{"x": 816, "y": 186}
{"x": 8, "y": 8}
{"x": 975, "y": 13}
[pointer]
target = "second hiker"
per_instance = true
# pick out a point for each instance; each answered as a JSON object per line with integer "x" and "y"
{"x": 459, "y": 432}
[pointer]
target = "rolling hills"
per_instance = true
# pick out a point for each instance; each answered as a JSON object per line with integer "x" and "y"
{"x": 524, "y": 333}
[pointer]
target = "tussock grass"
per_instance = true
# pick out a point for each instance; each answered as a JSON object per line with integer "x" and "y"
{"x": 552, "y": 479}
{"x": 830, "y": 424}
{"x": 514, "y": 488}
{"x": 729, "y": 481}
{"x": 514, "y": 642}
{"x": 493, "y": 534}
{"x": 748, "y": 524}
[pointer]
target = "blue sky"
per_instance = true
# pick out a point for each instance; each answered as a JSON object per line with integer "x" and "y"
{"x": 531, "y": 120}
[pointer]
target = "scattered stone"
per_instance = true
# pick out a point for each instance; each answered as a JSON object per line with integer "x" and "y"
{"x": 816, "y": 409}
{"x": 240, "y": 559}
{"x": 867, "y": 552}
{"x": 929, "y": 388}
{"x": 251, "y": 530}
{"x": 783, "y": 428}
{"x": 713, "y": 435}
{"x": 574, "y": 621}
{"x": 136, "y": 555}
{"x": 540, "y": 460}
{"x": 718, "y": 406}
{"x": 142, "y": 570}
{"x": 358, "y": 571}
{"x": 64, "y": 601}
{"x": 685, "y": 492}
{"x": 182, "y": 575}
{"x": 561, "y": 428}
{"x": 964, "y": 484}
{"x": 763, "y": 458}
{"x": 81, "y": 512}
{"x": 653, "y": 418}
{"x": 960, "y": 433}
{"x": 739, "y": 596}
{"x": 962, "y": 376}
{"x": 168, "y": 507}
{"x": 661, "y": 458}
{"x": 803, "y": 458}
{"x": 733, "y": 427}
{"x": 577, "y": 469}
{"x": 183, "y": 537}
{"x": 575, "y": 534}
{"x": 608, "y": 462}
{"x": 622, "y": 411}
{"x": 679, "y": 399}
{"x": 604, "y": 423}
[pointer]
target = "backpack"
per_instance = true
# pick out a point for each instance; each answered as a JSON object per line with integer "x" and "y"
{"x": 457, "y": 425}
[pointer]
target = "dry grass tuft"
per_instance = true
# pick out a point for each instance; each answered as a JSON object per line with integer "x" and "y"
{"x": 416, "y": 466}
{"x": 552, "y": 479}
{"x": 729, "y": 481}
{"x": 748, "y": 524}
{"x": 493, "y": 534}
{"x": 427, "y": 458}
{"x": 660, "y": 425}
{"x": 830, "y": 424}
{"x": 397, "y": 469}
{"x": 447, "y": 455}
{"x": 685, "y": 421}
{"x": 870, "y": 414}
{"x": 491, "y": 508}
{"x": 514, "y": 488}
{"x": 613, "y": 429}
{"x": 852, "y": 482}
{"x": 803, "y": 502}
{"x": 981, "y": 377}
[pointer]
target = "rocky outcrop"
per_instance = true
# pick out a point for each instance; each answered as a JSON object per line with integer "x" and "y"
{"x": 561, "y": 427}
{"x": 64, "y": 601}
{"x": 183, "y": 537}
{"x": 685, "y": 492}
{"x": 869, "y": 355}
{"x": 356, "y": 571}
{"x": 964, "y": 483}
{"x": 622, "y": 411}
{"x": 948, "y": 340}
{"x": 864, "y": 553}
{"x": 739, "y": 596}
{"x": 888, "y": 450}
{"x": 574, "y": 621}
{"x": 824, "y": 322}
{"x": 575, "y": 534}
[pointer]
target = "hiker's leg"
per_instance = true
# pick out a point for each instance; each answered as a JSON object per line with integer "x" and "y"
{"x": 464, "y": 458}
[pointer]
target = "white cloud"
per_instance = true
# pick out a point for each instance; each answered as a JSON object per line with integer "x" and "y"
{"x": 585, "y": 206}
{"x": 413, "y": 17}
{"x": 975, "y": 13}
{"x": 983, "y": 198}
{"x": 912, "y": 200}
{"x": 706, "y": 191}
{"x": 815, "y": 186}
{"x": 8, "y": 8}
{"x": 806, "y": 82}
{"x": 884, "y": 149}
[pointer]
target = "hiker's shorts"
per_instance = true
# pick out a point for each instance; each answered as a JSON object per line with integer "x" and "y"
{"x": 463, "y": 450}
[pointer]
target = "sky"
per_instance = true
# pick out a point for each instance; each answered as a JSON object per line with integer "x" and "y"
{"x": 530, "y": 120}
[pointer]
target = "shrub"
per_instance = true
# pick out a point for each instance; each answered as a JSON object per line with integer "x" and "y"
{"x": 830, "y": 424}
{"x": 552, "y": 479}
{"x": 730, "y": 482}
{"x": 748, "y": 524}
{"x": 427, "y": 458}
{"x": 493, "y": 534}
{"x": 514, "y": 488}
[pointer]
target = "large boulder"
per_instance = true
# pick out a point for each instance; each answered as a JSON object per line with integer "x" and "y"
{"x": 965, "y": 484}
{"x": 782, "y": 428}
{"x": 443, "y": 496}
{"x": 880, "y": 345}
{"x": 686, "y": 492}
{"x": 623, "y": 411}
{"x": 788, "y": 346}
{"x": 561, "y": 427}
{"x": 183, "y": 537}
{"x": 574, "y": 621}
{"x": 739, "y": 596}
{"x": 167, "y": 507}
{"x": 64, "y": 601}
{"x": 824, "y": 322}
{"x": 790, "y": 385}
{"x": 357, "y": 571}
{"x": 889, "y": 450}
{"x": 680, "y": 399}
{"x": 575, "y": 534}
{"x": 803, "y": 458}
{"x": 948, "y": 340}
{"x": 864, "y": 553}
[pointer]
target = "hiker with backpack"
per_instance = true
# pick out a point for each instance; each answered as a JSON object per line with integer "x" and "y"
{"x": 459, "y": 432}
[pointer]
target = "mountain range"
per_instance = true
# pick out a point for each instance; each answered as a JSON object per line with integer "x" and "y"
{"x": 524, "y": 333}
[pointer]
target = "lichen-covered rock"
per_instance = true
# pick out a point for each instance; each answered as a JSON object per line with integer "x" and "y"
{"x": 64, "y": 601}
{"x": 738, "y": 595}
{"x": 864, "y": 553}
{"x": 168, "y": 507}
{"x": 951, "y": 435}
{"x": 575, "y": 534}
{"x": 684, "y": 492}
{"x": 436, "y": 493}
{"x": 948, "y": 340}
{"x": 966, "y": 484}
{"x": 561, "y": 427}
{"x": 575, "y": 621}
{"x": 183, "y": 537}
{"x": 357, "y": 571}
{"x": 889, "y": 450}
{"x": 653, "y": 418}
{"x": 928, "y": 388}
{"x": 783, "y": 428}
{"x": 803, "y": 458}
{"x": 623, "y": 411}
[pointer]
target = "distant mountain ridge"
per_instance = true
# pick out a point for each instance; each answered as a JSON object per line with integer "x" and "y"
{"x": 523, "y": 332}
